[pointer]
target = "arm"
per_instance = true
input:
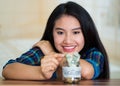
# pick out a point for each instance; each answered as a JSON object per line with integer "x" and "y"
{"x": 26, "y": 67}
{"x": 50, "y": 62}
{"x": 92, "y": 66}
{"x": 22, "y": 72}
{"x": 87, "y": 70}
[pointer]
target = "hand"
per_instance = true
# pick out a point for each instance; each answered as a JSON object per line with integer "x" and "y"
{"x": 49, "y": 64}
{"x": 45, "y": 46}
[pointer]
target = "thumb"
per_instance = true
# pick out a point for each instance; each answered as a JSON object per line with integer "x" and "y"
{"x": 60, "y": 57}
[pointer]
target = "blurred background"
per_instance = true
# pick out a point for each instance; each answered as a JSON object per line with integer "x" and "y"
{"x": 22, "y": 24}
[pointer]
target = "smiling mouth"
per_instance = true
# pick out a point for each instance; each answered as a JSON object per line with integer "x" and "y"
{"x": 69, "y": 48}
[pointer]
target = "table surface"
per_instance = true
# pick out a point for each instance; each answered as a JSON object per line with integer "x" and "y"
{"x": 111, "y": 82}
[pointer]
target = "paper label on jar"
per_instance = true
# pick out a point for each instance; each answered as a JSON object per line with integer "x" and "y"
{"x": 71, "y": 72}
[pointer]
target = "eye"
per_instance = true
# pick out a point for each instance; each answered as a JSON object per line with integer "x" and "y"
{"x": 76, "y": 32}
{"x": 59, "y": 32}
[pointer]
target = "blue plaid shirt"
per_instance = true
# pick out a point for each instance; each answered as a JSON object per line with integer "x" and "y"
{"x": 32, "y": 57}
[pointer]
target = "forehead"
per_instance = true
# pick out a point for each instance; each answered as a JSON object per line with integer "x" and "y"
{"x": 67, "y": 21}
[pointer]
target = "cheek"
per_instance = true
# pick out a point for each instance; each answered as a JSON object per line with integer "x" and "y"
{"x": 57, "y": 41}
{"x": 57, "y": 44}
{"x": 81, "y": 43}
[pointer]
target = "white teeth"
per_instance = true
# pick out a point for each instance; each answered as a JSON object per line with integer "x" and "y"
{"x": 69, "y": 47}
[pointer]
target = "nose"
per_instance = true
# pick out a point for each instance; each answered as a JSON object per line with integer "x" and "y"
{"x": 68, "y": 39}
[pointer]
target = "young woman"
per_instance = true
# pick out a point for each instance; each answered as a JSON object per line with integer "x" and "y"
{"x": 69, "y": 29}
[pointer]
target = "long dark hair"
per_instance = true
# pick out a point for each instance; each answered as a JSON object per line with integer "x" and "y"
{"x": 89, "y": 30}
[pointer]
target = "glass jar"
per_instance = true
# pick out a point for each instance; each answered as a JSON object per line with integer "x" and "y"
{"x": 71, "y": 69}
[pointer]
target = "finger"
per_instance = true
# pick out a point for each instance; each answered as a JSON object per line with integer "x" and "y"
{"x": 51, "y": 66}
{"x": 50, "y": 63}
{"x": 48, "y": 71}
{"x": 59, "y": 57}
{"x": 49, "y": 60}
{"x": 56, "y": 58}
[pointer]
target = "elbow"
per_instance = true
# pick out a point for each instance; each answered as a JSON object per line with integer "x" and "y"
{"x": 88, "y": 72}
{"x": 4, "y": 74}
{"x": 87, "y": 75}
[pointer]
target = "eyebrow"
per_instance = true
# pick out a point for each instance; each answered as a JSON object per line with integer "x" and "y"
{"x": 72, "y": 29}
{"x": 76, "y": 28}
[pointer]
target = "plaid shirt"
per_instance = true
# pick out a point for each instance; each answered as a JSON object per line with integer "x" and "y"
{"x": 32, "y": 57}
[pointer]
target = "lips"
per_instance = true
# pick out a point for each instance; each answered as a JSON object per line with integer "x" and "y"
{"x": 69, "y": 48}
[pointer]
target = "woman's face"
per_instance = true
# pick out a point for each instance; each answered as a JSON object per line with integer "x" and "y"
{"x": 67, "y": 34}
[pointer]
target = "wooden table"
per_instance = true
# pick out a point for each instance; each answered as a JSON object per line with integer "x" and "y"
{"x": 112, "y": 82}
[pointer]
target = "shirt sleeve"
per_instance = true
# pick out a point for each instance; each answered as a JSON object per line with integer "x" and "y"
{"x": 31, "y": 57}
{"x": 97, "y": 60}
